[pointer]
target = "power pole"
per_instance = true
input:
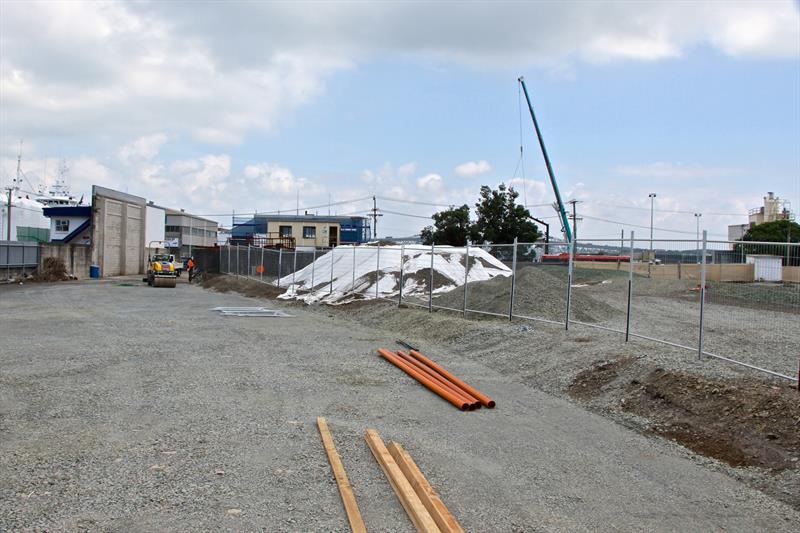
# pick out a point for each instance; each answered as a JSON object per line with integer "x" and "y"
{"x": 14, "y": 185}
{"x": 375, "y": 216}
{"x": 575, "y": 220}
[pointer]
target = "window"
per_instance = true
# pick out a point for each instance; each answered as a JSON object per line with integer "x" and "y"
{"x": 309, "y": 232}
{"x": 62, "y": 225}
{"x": 172, "y": 229}
{"x": 285, "y": 231}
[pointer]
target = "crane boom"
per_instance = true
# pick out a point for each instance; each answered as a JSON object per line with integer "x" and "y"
{"x": 561, "y": 210}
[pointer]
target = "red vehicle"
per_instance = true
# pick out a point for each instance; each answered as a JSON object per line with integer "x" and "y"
{"x": 564, "y": 258}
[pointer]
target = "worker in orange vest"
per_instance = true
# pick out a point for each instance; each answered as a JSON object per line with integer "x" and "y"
{"x": 190, "y": 268}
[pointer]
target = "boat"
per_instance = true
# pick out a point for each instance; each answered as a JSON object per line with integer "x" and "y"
{"x": 28, "y": 222}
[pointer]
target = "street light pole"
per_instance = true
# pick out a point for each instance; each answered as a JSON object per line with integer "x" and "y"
{"x": 652, "y": 197}
{"x": 697, "y": 219}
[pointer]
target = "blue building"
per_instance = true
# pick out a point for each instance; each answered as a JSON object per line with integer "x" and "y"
{"x": 290, "y": 231}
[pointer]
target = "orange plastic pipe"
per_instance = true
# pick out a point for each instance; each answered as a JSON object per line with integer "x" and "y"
{"x": 473, "y": 403}
{"x": 431, "y": 385}
{"x": 485, "y": 400}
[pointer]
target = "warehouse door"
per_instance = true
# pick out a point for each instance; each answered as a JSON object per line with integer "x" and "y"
{"x": 134, "y": 226}
{"x": 112, "y": 244}
{"x": 333, "y": 236}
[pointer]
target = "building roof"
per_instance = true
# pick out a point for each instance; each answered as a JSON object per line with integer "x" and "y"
{"x": 68, "y": 211}
{"x": 177, "y": 212}
{"x": 307, "y": 218}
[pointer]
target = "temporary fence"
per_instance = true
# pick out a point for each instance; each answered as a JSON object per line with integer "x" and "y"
{"x": 737, "y": 302}
{"x": 18, "y": 256}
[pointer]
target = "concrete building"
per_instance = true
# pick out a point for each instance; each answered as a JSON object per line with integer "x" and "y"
{"x": 302, "y": 231}
{"x": 118, "y": 232}
{"x": 185, "y": 231}
{"x": 773, "y": 209}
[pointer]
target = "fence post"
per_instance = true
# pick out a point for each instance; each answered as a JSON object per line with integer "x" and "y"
{"x": 294, "y": 271}
{"x": 330, "y": 291}
{"x": 513, "y": 281}
{"x": 630, "y": 292}
{"x": 262, "y": 263}
{"x": 402, "y": 266}
{"x": 228, "y": 269}
{"x": 702, "y": 296}
{"x": 280, "y": 260}
{"x": 248, "y": 261}
{"x": 353, "y": 283}
{"x": 430, "y": 282}
{"x": 238, "y": 270}
{"x": 466, "y": 279}
{"x": 220, "y": 258}
{"x": 572, "y": 246}
{"x": 313, "y": 265}
{"x": 377, "y": 271}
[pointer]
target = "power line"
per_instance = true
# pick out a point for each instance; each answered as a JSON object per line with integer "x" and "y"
{"x": 640, "y": 226}
{"x": 405, "y": 214}
{"x": 415, "y": 202}
{"x": 676, "y": 211}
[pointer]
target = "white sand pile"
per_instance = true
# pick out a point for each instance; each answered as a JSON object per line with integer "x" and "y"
{"x": 348, "y": 273}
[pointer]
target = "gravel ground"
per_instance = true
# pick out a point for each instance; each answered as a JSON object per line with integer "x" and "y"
{"x": 131, "y": 408}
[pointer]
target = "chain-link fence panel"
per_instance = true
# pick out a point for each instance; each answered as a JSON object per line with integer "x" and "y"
{"x": 665, "y": 301}
{"x": 752, "y": 304}
{"x": 490, "y": 280}
{"x": 540, "y": 291}
{"x": 600, "y": 283}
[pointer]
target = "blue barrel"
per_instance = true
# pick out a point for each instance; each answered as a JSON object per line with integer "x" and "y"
{"x": 94, "y": 271}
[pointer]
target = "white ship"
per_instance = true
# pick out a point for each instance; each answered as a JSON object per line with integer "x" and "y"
{"x": 28, "y": 222}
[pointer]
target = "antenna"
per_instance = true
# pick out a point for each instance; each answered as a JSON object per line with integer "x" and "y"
{"x": 18, "y": 179}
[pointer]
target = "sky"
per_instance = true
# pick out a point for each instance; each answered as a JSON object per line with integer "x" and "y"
{"x": 256, "y": 106}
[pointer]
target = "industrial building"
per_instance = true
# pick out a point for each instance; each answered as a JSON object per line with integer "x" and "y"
{"x": 774, "y": 208}
{"x": 301, "y": 231}
{"x": 185, "y": 231}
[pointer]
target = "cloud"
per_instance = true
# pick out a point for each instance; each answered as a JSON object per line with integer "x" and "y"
{"x": 144, "y": 148}
{"x": 676, "y": 171}
{"x": 407, "y": 170}
{"x": 120, "y": 70}
{"x": 470, "y": 169}
{"x": 430, "y": 182}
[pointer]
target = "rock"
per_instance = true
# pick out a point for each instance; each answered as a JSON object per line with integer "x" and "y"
{"x": 233, "y": 512}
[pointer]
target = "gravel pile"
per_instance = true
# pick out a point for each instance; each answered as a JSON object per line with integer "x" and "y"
{"x": 537, "y": 293}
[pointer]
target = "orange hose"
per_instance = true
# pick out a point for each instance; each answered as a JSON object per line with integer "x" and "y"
{"x": 473, "y": 403}
{"x": 423, "y": 379}
{"x": 485, "y": 400}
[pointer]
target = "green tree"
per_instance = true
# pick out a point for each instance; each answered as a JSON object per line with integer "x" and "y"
{"x": 501, "y": 218}
{"x": 779, "y": 231}
{"x": 451, "y": 226}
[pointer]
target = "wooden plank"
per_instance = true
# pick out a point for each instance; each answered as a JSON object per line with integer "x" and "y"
{"x": 416, "y": 511}
{"x": 435, "y": 506}
{"x": 345, "y": 489}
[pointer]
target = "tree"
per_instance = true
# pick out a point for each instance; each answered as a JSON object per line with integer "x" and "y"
{"x": 451, "y": 226}
{"x": 501, "y": 218}
{"x": 779, "y": 231}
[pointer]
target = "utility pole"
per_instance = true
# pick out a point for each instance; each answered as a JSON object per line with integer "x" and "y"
{"x": 9, "y": 213}
{"x": 375, "y": 216}
{"x": 14, "y": 185}
{"x": 697, "y": 219}
{"x": 652, "y": 197}
{"x": 575, "y": 220}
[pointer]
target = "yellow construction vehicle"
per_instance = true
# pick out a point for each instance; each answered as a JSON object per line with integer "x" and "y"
{"x": 160, "y": 270}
